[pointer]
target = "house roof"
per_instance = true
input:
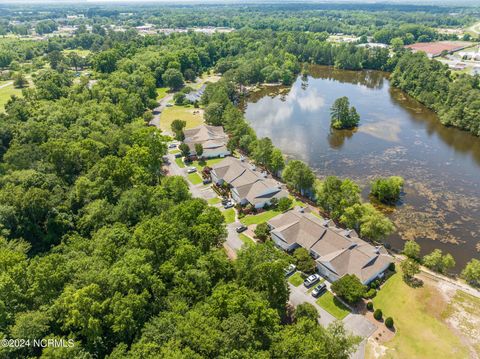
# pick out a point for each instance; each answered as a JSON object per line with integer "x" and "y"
{"x": 208, "y": 136}
{"x": 253, "y": 185}
{"x": 341, "y": 251}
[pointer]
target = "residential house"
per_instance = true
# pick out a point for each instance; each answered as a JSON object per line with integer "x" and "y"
{"x": 336, "y": 251}
{"x": 212, "y": 138}
{"x": 195, "y": 95}
{"x": 247, "y": 184}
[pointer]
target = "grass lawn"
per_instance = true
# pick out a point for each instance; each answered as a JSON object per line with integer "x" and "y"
{"x": 161, "y": 92}
{"x": 417, "y": 313}
{"x": 332, "y": 305}
{"x": 175, "y": 151}
{"x": 6, "y": 92}
{"x": 179, "y": 162}
{"x": 214, "y": 200}
{"x": 195, "y": 178}
{"x": 210, "y": 162}
{"x": 259, "y": 218}
{"x": 295, "y": 279}
{"x": 247, "y": 241}
{"x": 184, "y": 113}
{"x": 81, "y": 53}
{"x": 229, "y": 215}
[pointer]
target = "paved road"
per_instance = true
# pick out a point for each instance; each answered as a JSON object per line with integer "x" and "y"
{"x": 299, "y": 295}
{"x": 5, "y": 85}
{"x": 157, "y": 111}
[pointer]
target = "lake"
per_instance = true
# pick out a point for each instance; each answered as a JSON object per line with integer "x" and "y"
{"x": 396, "y": 136}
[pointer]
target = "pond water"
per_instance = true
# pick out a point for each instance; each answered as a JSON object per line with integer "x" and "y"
{"x": 397, "y": 136}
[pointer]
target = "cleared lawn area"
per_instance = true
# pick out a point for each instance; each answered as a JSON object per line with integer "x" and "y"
{"x": 161, "y": 92}
{"x": 259, "y": 218}
{"x": 417, "y": 314}
{"x": 332, "y": 305}
{"x": 214, "y": 200}
{"x": 210, "y": 162}
{"x": 184, "y": 113}
{"x": 6, "y": 92}
{"x": 179, "y": 162}
{"x": 295, "y": 279}
{"x": 194, "y": 178}
{"x": 246, "y": 240}
{"x": 229, "y": 215}
{"x": 175, "y": 151}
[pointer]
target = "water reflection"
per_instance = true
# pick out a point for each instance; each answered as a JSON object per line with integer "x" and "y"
{"x": 396, "y": 136}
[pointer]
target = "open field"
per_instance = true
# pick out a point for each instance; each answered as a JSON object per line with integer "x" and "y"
{"x": 259, "y": 218}
{"x": 79, "y": 52}
{"x": 332, "y": 305}
{"x": 7, "y": 90}
{"x": 179, "y": 162}
{"x": 185, "y": 113}
{"x": 421, "y": 331}
{"x": 214, "y": 200}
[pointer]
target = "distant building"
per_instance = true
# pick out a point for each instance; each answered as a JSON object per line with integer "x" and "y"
{"x": 212, "y": 138}
{"x": 247, "y": 184}
{"x": 435, "y": 49}
{"x": 336, "y": 251}
{"x": 374, "y": 45}
{"x": 458, "y": 66}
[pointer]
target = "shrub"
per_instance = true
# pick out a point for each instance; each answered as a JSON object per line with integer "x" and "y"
{"x": 371, "y": 293}
{"x": 391, "y": 267}
{"x": 370, "y": 305}
{"x": 377, "y": 314}
{"x": 262, "y": 231}
{"x": 284, "y": 204}
{"x": 389, "y": 322}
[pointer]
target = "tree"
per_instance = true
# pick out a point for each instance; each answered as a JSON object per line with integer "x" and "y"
{"x": 372, "y": 223}
{"x": 19, "y": 80}
{"x": 387, "y": 190}
{"x": 335, "y": 195}
{"x": 349, "y": 288}
{"x": 304, "y": 261}
{"x": 342, "y": 115}
{"x": 184, "y": 149}
{"x": 262, "y": 154}
{"x": 284, "y": 204}
{"x": 106, "y": 61}
{"x": 199, "y": 150}
{"x": 173, "y": 78}
{"x": 177, "y": 127}
{"x": 277, "y": 162}
{"x": 412, "y": 249}
{"x": 261, "y": 268}
{"x": 307, "y": 311}
{"x": 262, "y": 231}
{"x": 214, "y": 113}
{"x": 438, "y": 262}
{"x": 299, "y": 176}
{"x": 377, "y": 314}
{"x": 179, "y": 98}
{"x": 409, "y": 268}
{"x": 471, "y": 272}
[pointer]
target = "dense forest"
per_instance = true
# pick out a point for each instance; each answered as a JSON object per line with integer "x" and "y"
{"x": 99, "y": 246}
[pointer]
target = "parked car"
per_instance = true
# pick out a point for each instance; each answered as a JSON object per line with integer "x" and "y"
{"x": 191, "y": 170}
{"x": 169, "y": 105}
{"x": 178, "y": 155}
{"x": 241, "y": 228}
{"x": 229, "y": 204}
{"x": 290, "y": 270}
{"x": 207, "y": 181}
{"x": 225, "y": 200}
{"x": 319, "y": 290}
{"x": 172, "y": 145}
{"x": 311, "y": 280}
